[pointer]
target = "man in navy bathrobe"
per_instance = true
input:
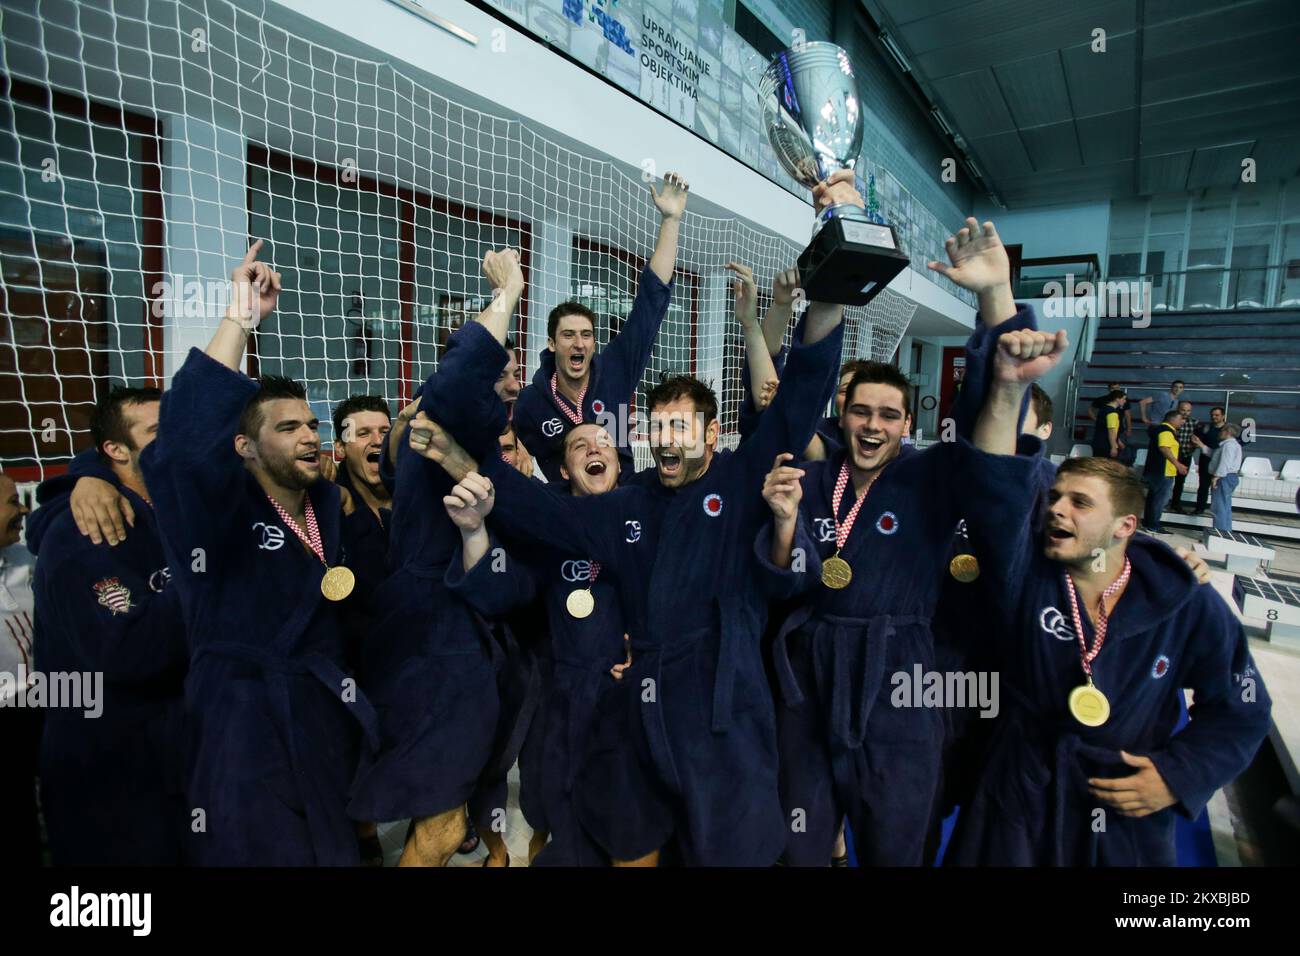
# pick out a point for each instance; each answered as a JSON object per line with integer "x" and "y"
{"x": 112, "y": 787}
{"x": 1088, "y": 611}
{"x": 249, "y": 532}
{"x": 573, "y": 383}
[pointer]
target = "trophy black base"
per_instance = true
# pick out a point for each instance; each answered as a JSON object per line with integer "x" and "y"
{"x": 850, "y": 262}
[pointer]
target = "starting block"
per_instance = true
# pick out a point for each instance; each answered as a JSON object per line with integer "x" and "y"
{"x": 1244, "y": 552}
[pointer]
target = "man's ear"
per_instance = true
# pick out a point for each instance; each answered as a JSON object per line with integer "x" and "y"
{"x": 711, "y": 433}
{"x": 564, "y": 473}
{"x": 1124, "y": 528}
{"x": 245, "y": 447}
{"x": 1045, "y": 431}
{"x": 116, "y": 452}
{"x": 550, "y": 344}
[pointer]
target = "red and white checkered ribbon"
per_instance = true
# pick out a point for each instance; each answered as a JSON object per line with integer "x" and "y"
{"x": 1099, "y": 636}
{"x": 312, "y": 537}
{"x": 842, "y": 530}
{"x": 575, "y": 417}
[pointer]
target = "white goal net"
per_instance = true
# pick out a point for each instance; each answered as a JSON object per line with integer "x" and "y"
{"x": 144, "y": 142}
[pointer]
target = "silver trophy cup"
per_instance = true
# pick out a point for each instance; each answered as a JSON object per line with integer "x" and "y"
{"x": 813, "y": 119}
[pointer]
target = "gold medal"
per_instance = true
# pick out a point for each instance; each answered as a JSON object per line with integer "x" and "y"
{"x": 337, "y": 583}
{"x": 580, "y": 603}
{"x": 1089, "y": 706}
{"x": 836, "y": 573}
{"x": 964, "y": 567}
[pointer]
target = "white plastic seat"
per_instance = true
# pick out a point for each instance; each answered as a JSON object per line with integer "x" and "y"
{"x": 1141, "y": 458}
{"x": 1081, "y": 451}
{"x": 1257, "y": 468}
{"x": 1291, "y": 470}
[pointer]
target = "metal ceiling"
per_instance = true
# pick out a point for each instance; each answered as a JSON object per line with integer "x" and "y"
{"x": 1185, "y": 90}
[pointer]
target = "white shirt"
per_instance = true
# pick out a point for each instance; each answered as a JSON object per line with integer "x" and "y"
{"x": 16, "y": 601}
{"x": 1226, "y": 459}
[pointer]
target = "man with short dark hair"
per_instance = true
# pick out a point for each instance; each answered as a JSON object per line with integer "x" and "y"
{"x": 878, "y": 519}
{"x": 1186, "y": 449}
{"x": 253, "y": 542}
{"x": 113, "y": 788}
{"x": 1206, "y": 439}
{"x": 1106, "y": 442}
{"x": 1100, "y": 631}
{"x": 690, "y": 755}
{"x": 1038, "y": 420}
{"x": 573, "y": 383}
{"x": 1155, "y": 407}
{"x": 1162, "y": 466}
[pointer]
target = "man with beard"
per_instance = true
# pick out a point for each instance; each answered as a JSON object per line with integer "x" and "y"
{"x": 587, "y": 634}
{"x": 450, "y": 691}
{"x": 252, "y": 539}
{"x": 112, "y": 789}
{"x": 1099, "y": 631}
{"x": 881, "y": 514}
{"x": 684, "y": 745}
{"x": 1206, "y": 437}
{"x": 573, "y": 383}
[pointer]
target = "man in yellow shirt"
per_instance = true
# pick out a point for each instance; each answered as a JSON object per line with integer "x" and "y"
{"x": 1162, "y": 466}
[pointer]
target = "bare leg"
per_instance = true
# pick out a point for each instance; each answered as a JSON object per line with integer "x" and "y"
{"x": 841, "y": 851}
{"x": 650, "y": 859}
{"x": 434, "y": 839}
{"x": 536, "y": 843}
{"x": 495, "y": 842}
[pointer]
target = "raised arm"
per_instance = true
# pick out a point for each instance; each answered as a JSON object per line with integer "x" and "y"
{"x": 1022, "y": 358}
{"x": 503, "y": 270}
{"x": 671, "y": 203}
{"x": 254, "y": 289}
{"x": 758, "y": 360}
{"x": 979, "y": 263}
{"x": 781, "y": 311}
{"x": 485, "y": 577}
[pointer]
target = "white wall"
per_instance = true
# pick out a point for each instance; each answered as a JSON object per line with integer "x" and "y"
{"x": 1052, "y": 230}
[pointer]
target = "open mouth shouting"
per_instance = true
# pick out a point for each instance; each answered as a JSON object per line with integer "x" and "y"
{"x": 670, "y": 461}
{"x": 869, "y": 447}
{"x": 595, "y": 467}
{"x": 311, "y": 459}
{"x": 1057, "y": 533}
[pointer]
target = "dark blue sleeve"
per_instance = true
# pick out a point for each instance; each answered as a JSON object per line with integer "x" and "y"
{"x": 527, "y": 422}
{"x": 805, "y": 569}
{"x": 528, "y": 509}
{"x": 496, "y": 585}
{"x": 981, "y": 350}
{"x": 625, "y": 358}
{"x": 789, "y": 422}
{"x": 1229, "y": 712}
{"x": 460, "y": 395}
{"x": 1001, "y": 495}
{"x": 191, "y": 467}
{"x": 142, "y": 641}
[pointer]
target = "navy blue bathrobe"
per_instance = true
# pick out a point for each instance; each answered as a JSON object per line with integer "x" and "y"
{"x": 275, "y": 719}
{"x": 112, "y": 787}
{"x": 577, "y": 663}
{"x": 845, "y": 748}
{"x": 686, "y": 742}
{"x": 1031, "y": 806}
{"x": 541, "y": 424}
{"x": 434, "y": 667}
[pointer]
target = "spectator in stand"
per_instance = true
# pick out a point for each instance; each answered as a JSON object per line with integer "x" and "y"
{"x": 1154, "y": 408}
{"x": 1224, "y": 465}
{"x": 1106, "y": 440}
{"x": 1186, "y": 449}
{"x": 1162, "y": 466}
{"x": 1206, "y": 439}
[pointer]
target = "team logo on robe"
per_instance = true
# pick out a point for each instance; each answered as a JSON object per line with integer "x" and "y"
{"x": 713, "y": 505}
{"x": 1053, "y": 622}
{"x": 887, "y": 523}
{"x": 552, "y": 427}
{"x": 598, "y": 407}
{"x": 633, "y": 529}
{"x": 114, "y": 595}
{"x": 1161, "y": 667}
{"x": 272, "y": 536}
{"x": 825, "y": 530}
{"x": 575, "y": 571}
{"x": 158, "y": 580}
